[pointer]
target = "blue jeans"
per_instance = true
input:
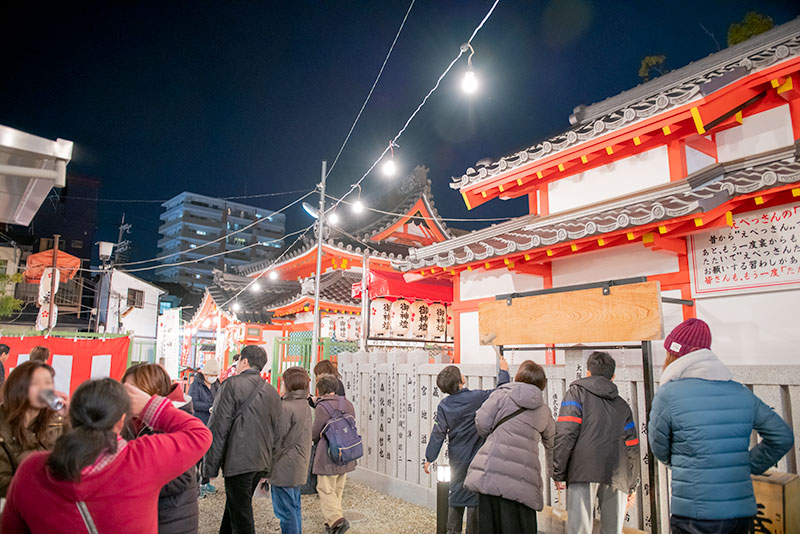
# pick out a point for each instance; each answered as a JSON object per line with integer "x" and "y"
{"x": 286, "y": 505}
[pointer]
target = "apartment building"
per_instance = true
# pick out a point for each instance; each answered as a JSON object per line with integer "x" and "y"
{"x": 192, "y": 223}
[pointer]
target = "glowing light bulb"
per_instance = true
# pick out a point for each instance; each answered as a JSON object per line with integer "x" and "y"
{"x": 236, "y": 306}
{"x": 389, "y": 168}
{"x": 470, "y": 82}
{"x": 333, "y": 218}
{"x": 256, "y": 287}
{"x": 358, "y": 206}
{"x": 273, "y": 275}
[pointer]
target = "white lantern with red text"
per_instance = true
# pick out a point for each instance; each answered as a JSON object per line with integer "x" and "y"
{"x": 380, "y": 324}
{"x": 341, "y": 327}
{"x": 420, "y": 319}
{"x": 326, "y": 326}
{"x": 353, "y": 328}
{"x": 437, "y": 324}
{"x": 401, "y": 318}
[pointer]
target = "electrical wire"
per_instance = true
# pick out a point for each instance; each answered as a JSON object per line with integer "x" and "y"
{"x": 447, "y": 219}
{"x": 257, "y": 221}
{"x": 358, "y": 183}
{"x": 268, "y": 267}
{"x": 154, "y": 201}
{"x": 372, "y": 89}
{"x": 186, "y": 262}
{"x": 419, "y": 107}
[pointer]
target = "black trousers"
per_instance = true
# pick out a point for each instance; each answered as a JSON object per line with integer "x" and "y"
{"x": 455, "y": 519}
{"x": 687, "y": 525}
{"x": 497, "y": 515}
{"x": 238, "y": 516}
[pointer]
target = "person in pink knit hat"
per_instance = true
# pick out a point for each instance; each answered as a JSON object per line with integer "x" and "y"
{"x": 700, "y": 426}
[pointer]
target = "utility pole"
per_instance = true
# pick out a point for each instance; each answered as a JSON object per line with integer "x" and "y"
{"x": 320, "y": 228}
{"x": 122, "y": 246}
{"x": 56, "y": 239}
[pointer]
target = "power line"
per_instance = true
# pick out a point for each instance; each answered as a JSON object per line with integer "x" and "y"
{"x": 372, "y": 89}
{"x": 419, "y": 107}
{"x": 147, "y": 201}
{"x": 257, "y": 221}
{"x": 447, "y": 219}
{"x": 268, "y": 267}
{"x": 185, "y": 262}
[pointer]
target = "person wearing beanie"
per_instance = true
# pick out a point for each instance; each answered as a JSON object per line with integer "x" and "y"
{"x": 203, "y": 391}
{"x": 700, "y": 426}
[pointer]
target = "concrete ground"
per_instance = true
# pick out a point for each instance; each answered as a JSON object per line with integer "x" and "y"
{"x": 368, "y": 511}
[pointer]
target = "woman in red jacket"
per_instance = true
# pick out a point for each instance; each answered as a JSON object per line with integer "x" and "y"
{"x": 96, "y": 481}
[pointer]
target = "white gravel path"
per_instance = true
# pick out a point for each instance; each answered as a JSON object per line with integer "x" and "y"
{"x": 368, "y": 511}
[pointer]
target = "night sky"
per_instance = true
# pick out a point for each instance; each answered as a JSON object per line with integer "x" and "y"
{"x": 234, "y": 98}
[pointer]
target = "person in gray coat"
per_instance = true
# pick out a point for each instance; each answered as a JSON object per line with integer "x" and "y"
{"x": 293, "y": 452}
{"x": 507, "y": 472}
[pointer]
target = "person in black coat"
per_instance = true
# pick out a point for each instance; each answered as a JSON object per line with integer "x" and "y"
{"x": 204, "y": 389}
{"x": 178, "y": 512}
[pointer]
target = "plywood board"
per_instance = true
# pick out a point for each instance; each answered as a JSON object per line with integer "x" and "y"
{"x": 630, "y": 312}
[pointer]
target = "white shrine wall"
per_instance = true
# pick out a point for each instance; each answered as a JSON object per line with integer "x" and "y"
{"x": 758, "y": 133}
{"x": 748, "y": 329}
{"x": 616, "y": 179}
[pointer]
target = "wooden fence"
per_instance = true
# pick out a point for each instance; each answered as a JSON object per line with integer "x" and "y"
{"x": 396, "y": 397}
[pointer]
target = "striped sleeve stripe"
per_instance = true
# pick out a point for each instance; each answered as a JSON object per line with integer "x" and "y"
{"x": 569, "y": 419}
{"x": 629, "y": 426}
{"x": 632, "y": 442}
{"x": 572, "y": 403}
{"x": 153, "y": 409}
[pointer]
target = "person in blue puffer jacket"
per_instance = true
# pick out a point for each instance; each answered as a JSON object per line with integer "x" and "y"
{"x": 700, "y": 426}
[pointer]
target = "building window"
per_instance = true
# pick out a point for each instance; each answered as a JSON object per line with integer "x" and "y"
{"x": 201, "y": 232}
{"x": 135, "y": 298}
{"x": 239, "y": 241}
{"x": 3, "y": 266}
{"x": 76, "y": 243}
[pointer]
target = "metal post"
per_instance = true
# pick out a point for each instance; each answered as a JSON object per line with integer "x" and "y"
{"x": 652, "y": 467}
{"x": 56, "y": 239}
{"x": 442, "y": 495}
{"x": 364, "y": 302}
{"x": 320, "y": 228}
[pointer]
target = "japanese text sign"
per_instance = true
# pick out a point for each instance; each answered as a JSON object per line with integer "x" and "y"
{"x": 759, "y": 252}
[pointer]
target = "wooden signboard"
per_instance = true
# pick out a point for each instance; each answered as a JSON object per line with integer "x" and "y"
{"x": 631, "y": 312}
{"x": 778, "y": 498}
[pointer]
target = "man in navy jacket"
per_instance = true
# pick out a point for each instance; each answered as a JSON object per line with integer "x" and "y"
{"x": 455, "y": 419}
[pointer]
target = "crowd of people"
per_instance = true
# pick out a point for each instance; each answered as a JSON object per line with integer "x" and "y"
{"x": 700, "y": 426}
{"x": 135, "y": 455}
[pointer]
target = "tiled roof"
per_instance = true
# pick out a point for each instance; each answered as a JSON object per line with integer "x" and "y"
{"x": 700, "y": 192}
{"x": 334, "y": 287}
{"x": 664, "y": 93}
{"x": 254, "y": 305}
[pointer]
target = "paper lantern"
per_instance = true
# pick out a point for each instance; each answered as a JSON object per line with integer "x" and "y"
{"x": 437, "y": 324}
{"x": 380, "y": 311}
{"x": 420, "y": 319}
{"x": 401, "y": 318}
{"x": 449, "y": 336}
{"x": 326, "y": 326}
{"x": 353, "y": 328}
{"x": 341, "y": 327}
